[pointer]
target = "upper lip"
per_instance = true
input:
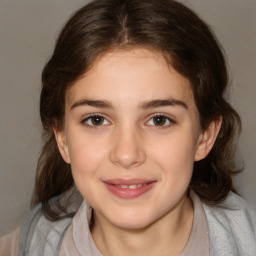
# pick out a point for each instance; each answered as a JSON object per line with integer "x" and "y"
{"x": 127, "y": 181}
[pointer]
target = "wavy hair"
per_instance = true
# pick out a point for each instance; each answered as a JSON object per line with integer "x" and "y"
{"x": 191, "y": 48}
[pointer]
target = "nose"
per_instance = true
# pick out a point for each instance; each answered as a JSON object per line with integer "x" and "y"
{"x": 128, "y": 148}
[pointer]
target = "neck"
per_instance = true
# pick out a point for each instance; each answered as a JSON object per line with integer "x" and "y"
{"x": 166, "y": 236}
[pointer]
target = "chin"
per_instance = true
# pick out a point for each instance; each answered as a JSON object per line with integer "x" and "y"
{"x": 132, "y": 220}
{"x": 132, "y": 225}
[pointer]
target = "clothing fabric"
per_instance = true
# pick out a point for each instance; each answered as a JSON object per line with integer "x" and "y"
{"x": 231, "y": 226}
{"x": 79, "y": 242}
{"x": 39, "y": 236}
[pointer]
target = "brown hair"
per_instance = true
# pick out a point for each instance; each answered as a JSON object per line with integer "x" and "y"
{"x": 183, "y": 38}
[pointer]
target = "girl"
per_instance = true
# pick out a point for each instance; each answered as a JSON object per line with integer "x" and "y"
{"x": 138, "y": 139}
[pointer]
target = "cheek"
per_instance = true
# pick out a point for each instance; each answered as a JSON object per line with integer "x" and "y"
{"x": 175, "y": 154}
{"x": 86, "y": 155}
{"x": 86, "y": 159}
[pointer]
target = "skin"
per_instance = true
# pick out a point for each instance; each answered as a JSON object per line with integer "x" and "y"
{"x": 129, "y": 143}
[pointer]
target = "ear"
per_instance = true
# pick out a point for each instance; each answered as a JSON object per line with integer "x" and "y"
{"x": 207, "y": 139}
{"x": 61, "y": 140}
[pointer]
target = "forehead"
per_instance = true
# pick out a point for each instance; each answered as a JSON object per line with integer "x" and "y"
{"x": 138, "y": 74}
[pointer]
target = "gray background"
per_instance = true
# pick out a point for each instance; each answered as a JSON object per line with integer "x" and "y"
{"x": 28, "y": 30}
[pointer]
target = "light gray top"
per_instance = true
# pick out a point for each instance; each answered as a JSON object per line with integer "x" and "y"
{"x": 79, "y": 242}
{"x": 231, "y": 226}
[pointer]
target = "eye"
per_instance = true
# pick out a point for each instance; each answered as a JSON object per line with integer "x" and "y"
{"x": 160, "y": 120}
{"x": 95, "y": 120}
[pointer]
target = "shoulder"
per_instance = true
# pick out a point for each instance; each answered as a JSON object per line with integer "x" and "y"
{"x": 9, "y": 244}
{"x": 232, "y": 226}
{"x": 38, "y": 234}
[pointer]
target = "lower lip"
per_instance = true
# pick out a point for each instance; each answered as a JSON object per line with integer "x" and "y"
{"x": 126, "y": 193}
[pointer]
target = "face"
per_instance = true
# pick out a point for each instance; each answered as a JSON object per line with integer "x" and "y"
{"x": 131, "y": 135}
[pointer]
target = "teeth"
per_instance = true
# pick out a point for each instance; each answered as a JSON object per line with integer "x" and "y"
{"x": 131, "y": 186}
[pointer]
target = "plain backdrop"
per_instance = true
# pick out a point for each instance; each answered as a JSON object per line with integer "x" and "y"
{"x": 28, "y": 30}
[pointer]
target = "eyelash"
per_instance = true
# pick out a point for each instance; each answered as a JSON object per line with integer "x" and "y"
{"x": 167, "y": 119}
{"x": 89, "y": 119}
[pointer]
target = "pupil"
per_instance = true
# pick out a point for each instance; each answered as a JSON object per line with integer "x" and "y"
{"x": 159, "y": 120}
{"x": 97, "y": 120}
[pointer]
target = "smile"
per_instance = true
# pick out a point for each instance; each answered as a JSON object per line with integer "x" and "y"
{"x": 131, "y": 186}
{"x": 128, "y": 189}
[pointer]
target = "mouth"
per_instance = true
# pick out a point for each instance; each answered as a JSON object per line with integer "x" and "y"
{"x": 129, "y": 189}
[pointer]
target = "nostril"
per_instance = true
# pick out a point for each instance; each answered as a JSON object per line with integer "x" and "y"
{"x": 127, "y": 160}
{"x": 127, "y": 149}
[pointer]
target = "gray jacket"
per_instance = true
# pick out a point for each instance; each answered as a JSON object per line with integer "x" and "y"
{"x": 232, "y": 230}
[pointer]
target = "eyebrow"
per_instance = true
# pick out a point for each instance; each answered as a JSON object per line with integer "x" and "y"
{"x": 145, "y": 105}
{"x": 163, "y": 103}
{"x": 93, "y": 103}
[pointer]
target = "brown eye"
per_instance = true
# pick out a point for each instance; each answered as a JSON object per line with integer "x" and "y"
{"x": 95, "y": 120}
{"x": 159, "y": 120}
